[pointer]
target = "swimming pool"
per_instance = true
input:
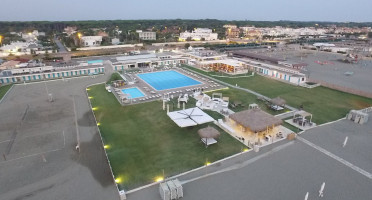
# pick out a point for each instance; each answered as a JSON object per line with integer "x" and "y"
{"x": 167, "y": 80}
{"x": 133, "y": 92}
{"x": 94, "y": 61}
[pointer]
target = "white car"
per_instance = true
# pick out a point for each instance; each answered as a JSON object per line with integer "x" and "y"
{"x": 108, "y": 90}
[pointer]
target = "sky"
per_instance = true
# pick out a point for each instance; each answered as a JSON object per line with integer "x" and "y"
{"x": 258, "y": 10}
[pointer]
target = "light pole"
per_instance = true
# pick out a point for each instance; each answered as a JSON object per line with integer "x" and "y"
{"x": 79, "y": 36}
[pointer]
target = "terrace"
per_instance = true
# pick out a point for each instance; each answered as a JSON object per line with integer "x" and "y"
{"x": 150, "y": 93}
{"x": 255, "y": 127}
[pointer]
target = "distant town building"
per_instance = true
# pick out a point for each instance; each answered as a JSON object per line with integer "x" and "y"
{"x": 232, "y": 33}
{"x": 148, "y": 35}
{"x": 227, "y": 26}
{"x": 69, "y": 30}
{"x": 199, "y": 34}
{"x": 20, "y": 47}
{"x": 115, "y": 41}
{"x": 90, "y": 41}
{"x": 32, "y": 36}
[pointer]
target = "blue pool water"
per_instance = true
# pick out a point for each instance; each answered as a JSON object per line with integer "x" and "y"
{"x": 94, "y": 61}
{"x": 134, "y": 92}
{"x": 167, "y": 80}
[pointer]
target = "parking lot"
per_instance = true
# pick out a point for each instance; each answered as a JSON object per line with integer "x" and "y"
{"x": 38, "y": 139}
{"x": 333, "y": 70}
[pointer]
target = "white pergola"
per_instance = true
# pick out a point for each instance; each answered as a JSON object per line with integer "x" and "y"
{"x": 303, "y": 114}
{"x": 190, "y": 117}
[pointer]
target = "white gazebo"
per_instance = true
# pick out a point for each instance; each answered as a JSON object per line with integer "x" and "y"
{"x": 190, "y": 117}
{"x": 300, "y": 118}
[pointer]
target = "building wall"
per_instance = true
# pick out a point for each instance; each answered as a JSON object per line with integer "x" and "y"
{"x": 198, "y": 34}
{"x": 51, "y": 75}
{"x": 16, "y": 71}
{"x": 90, "y": 41}
{"x": 147, "y": 35}
{"x": 281, "y": 75}
{"x": 120, "y": 67}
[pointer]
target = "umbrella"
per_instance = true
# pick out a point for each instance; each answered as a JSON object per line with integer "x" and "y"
{"x": 278, "y": 101}
{"x": 208, "y": 132}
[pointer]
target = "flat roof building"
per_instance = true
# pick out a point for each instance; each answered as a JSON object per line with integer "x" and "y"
{"x": 147, "y": 35}
{"x": 148, "y": 60}
{"x": 90, "y": 41}
{"x": 199, "y": 34}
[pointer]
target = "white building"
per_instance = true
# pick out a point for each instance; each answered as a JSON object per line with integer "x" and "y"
{"x": 51, "y": 73}
{"x": 198, "y": 34}
{"x": 149, "y": 60}
{"x": 90, "y": 41}
{"x": 32, "y": 36}
{"x": 230, "y": 26}
{"x": 115, "y": 41}
{"x": 147, "y": 35}
{"x": 15, "y": 47}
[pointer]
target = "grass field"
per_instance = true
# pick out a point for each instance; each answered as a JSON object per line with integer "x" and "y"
{"x": 246, "y": 99}
{"x": 142, "y": 141}
{"x": 325, "y": 104}
{"x": 3, "y": 90}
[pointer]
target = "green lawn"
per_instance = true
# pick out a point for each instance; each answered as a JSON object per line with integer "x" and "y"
{"x": 3, "y": 90}
{"x": 246, "y": 99}
{"x": 325, "y": 104}
{"x": 143, "y": 141}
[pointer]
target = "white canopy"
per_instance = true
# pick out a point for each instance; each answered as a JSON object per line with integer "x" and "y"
{"x": 190, "y": 117}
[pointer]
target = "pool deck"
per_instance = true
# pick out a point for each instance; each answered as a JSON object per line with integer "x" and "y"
{"x": 152, "y": 94}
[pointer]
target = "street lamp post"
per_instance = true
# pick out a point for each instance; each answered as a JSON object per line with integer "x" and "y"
{"x": 79, "y": 36}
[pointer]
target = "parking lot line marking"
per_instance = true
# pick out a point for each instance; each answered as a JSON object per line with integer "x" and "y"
{"x": 354, "y": 167}
{"x": 31, "y": 155}
{"x": 241, "y": 165}
{"x": 64, "y": 139}
{"x": 36, "y": 135}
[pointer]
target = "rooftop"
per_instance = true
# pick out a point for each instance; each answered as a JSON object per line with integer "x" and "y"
{"x": 255, "y": 120}
{"x": 256, "y": 56}
{"x": 230, "y": 62}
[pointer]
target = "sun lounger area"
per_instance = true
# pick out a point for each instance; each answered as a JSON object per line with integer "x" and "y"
{"x": 149, "y": 93}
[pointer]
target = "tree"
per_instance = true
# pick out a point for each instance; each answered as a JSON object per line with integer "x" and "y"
{"x": 187, "y": 45}
{"x": 46, "y": 54}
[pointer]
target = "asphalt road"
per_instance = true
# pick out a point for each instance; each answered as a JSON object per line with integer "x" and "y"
{"x": 38, "y": 140}
{"x": 61, "y": 48}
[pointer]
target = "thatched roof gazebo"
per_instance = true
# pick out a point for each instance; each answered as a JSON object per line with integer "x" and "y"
{"x": 255, "y": 120}
{"x": 208, "y": 133}
{"x": 278, "y": 101}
